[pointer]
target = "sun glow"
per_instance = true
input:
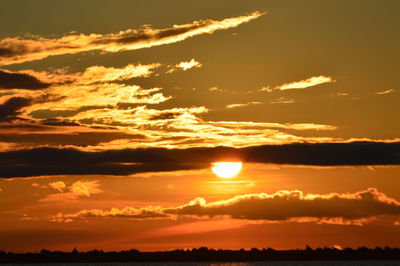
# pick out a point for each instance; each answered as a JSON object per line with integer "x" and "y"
{"x": 226, "y": 169}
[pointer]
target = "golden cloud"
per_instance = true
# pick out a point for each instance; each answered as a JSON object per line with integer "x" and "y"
{"x": 93, "y": 74}
{"x": 75, "y": 191}
{"x": 302, "y": 84}
{"x": 58, "y": 185}
{"x": 85, "y": 188}
{"x": 189, "y": 129}
{"x": 93, "y": 86}
{"x": 72, "y": 97}
{"x": 185, "y": 65}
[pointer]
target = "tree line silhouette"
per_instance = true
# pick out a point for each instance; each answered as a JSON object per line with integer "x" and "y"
{"x": 202, "y": 254}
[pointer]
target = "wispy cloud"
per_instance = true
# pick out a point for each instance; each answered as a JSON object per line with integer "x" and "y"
{"x": 94, "y": 99}
{"x": 237, "y": 125}
{"x": 96, "y": 85}
{"x": 127, "y": 212}
{"x": 282, "y": 100}
{"x": 93, "y": 74}
{"x": 112, "y": 128}
{"x": 104, "y": 94}
{"x": 17, "y": 50}
{"x": 215, "y": 88}
{"x": 189, "y": 129}
{"x": 237, "y": 105}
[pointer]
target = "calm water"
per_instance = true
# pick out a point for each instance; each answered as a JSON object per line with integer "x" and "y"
{"x": 268, "y": 263}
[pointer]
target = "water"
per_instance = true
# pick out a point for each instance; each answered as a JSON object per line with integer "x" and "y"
{"x": 266, "y": 263}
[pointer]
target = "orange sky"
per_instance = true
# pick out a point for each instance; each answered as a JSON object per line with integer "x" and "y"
{"x": 112, "y": 113}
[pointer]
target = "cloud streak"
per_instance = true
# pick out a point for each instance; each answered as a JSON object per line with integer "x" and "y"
{"x": 91, "y": 75}
{"x": 302, "y": 84}
{"x": 238, "y": 105}
{"x": 384, "y": 92}
{"x": 17, "y": 50}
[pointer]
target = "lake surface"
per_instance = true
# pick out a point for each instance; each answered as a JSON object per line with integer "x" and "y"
{"x": 266, "y": 263}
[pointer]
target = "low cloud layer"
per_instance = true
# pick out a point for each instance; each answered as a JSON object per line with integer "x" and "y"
{"x": 55, "y": 161}
{"x": 18, "y": 50}
{"x": 283, "y": 206}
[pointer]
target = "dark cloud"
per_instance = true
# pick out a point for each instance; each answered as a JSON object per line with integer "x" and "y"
{"x": 164, "y": 116}
{"x": 5, "y": 52}
{"x": 52, "y": 161}
{"x": 23, "y": 126}
{"x": 354, "y": 153}
{"x": 58, "y": 122}
{"x": 10, "y": 80}
{"x": 10, "y": 109}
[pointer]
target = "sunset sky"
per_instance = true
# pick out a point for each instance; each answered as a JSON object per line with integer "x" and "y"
{"x": 113, "y": 113}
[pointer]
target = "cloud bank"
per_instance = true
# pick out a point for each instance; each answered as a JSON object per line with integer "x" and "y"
{"x": 282, "y": 206}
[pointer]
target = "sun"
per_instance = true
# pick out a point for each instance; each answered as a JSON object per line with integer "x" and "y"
{"x": 226, "y": 169}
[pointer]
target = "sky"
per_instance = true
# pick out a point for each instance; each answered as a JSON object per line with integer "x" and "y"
{"x": 113, "y": 113}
